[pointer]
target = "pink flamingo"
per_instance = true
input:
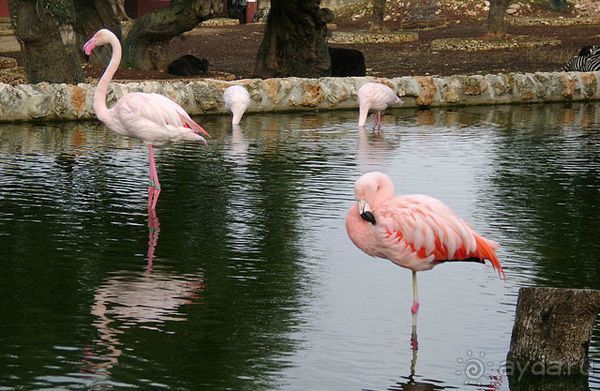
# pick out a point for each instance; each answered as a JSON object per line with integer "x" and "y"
{"x": 153, "y": 118}
{"x": 236, "y": 100}
{"x": 376, "y": 97}
{"x": 417, "y": 232}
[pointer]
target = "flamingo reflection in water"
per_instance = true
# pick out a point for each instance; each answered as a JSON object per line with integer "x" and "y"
{"x": 374, "y": 150}
{"x": 415, "y": 382}
{"x": 153, "y": 231}
{"x": 239, "y": 145}
{"x": 410, "y": 382}
{"x": 148, "y": 299}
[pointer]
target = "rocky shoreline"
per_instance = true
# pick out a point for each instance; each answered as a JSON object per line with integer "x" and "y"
{"x": 52, "y": 102}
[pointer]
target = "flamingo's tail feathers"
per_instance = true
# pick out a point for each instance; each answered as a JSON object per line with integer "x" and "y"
{"x": 486, "y": 249}
{"x": 190, "y": 123}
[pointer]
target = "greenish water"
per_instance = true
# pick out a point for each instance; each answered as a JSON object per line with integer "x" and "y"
{"x": 250, "y": 282}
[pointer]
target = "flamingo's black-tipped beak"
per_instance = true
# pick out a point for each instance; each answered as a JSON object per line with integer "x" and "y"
{"x": 365, "y": 212}
{"x": 368, "y": 216}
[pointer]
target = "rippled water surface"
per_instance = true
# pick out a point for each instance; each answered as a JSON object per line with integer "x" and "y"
{"x": 246, "y": 279}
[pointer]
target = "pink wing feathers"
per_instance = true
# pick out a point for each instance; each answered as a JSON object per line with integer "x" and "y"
{"x": 154, "y": 117}
{"x": 377, "y": 96}
{"x": 429, "y": 231}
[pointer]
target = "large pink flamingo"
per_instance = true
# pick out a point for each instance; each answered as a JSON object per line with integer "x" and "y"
{"x": 417, "y": 232}
{"x": 153, "y": 118}
{"x": 375, "y": 97}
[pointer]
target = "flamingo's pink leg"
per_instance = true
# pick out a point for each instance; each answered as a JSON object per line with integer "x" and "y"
{"x": 415, "y": 307}
{"x": 414, "y": 310}
{"x": 154, "y": 186}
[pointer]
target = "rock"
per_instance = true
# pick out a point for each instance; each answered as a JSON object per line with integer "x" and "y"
{"x": 7, "y": 63}
{"x": 513, "y": 8}
{"x": 472, "y": 44}
{"x": 363, "y": 37}
{"x": 220, "y": 22}
{"x": 427, "y": 90}
{"x": 13, "y": 76}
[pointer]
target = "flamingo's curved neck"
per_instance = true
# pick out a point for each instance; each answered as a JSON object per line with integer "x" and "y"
{"x": 384, "y": 193}
{"x": 101, "y": 90}
{"x": 363, "y": 114}
{"x": 237, "y": 116}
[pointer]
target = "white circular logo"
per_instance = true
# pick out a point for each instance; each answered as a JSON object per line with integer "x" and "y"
{"x": 473, "y": 368}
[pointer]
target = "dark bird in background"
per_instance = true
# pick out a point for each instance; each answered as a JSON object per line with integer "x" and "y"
{"x": 188, "y": 65}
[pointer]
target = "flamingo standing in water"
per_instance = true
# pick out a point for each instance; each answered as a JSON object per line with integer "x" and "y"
{"x": 153, "y": 118}
{"x": 417, "y": 232}
{"x": 375, "y": 97}
{"x": 236, "y": 100}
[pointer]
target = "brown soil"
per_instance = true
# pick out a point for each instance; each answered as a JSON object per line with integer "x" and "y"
{"x": 231, "y": 51}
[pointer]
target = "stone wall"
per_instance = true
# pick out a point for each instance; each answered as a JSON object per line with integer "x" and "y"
{"x": 70, "y": 102}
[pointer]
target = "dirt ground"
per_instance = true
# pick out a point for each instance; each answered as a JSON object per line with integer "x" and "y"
{"x": 232, "y": 50}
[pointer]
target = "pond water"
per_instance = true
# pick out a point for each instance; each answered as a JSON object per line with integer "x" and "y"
{"x": 250, "y": 281}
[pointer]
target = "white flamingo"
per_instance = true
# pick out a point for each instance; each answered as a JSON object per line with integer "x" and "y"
{"x": 236, "y": 100}
{"x": 375, "y": 97}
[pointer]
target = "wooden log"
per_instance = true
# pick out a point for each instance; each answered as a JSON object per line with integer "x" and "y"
{"x": 552, "y": 331}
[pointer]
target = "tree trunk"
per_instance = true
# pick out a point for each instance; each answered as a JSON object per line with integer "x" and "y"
{"x": 295, "y": 40}
{"x": 48, "y": 40}
{"x": 145, "y": 46}
{"x": 90, "y": 19}
{"x": 120, "y": 11}
{"x": 377, "y": 17}
{"x": 496, "y": 25}
{"x": 552, "y": 331}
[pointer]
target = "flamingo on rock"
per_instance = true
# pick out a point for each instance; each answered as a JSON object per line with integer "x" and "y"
{"x": 417, "y": 232}
{"x": 152, "y": 118}
{"x": 236, "y": 100}
{"x": 375, "y": 97}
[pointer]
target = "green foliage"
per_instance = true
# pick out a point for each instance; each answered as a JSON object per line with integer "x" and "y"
{"x": 62, "y": 10}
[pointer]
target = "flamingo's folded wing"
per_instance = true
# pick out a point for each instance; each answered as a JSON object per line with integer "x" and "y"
{"x": 430, "y": 227}
{"x": 156, "y": 109}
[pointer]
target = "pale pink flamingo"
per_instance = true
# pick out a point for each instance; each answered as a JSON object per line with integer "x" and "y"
{"x": 153, "y": 118}
{"x": 375, "y": 97}
{"x": 417, "y": 232}
{"x": 236, "y": 100}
